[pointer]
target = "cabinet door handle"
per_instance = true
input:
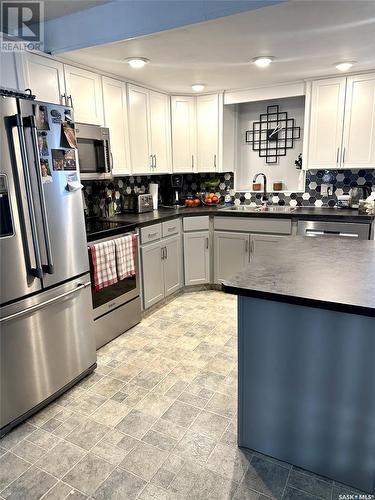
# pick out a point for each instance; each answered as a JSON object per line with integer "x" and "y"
{"x": 63, "y": 99}
{"x": 69, "y": 98}
{"x": 151, "y": 235}
{"x": 192, "y": 162}
{"x": 166, "y": 252}
{"x": 151, "y": 161}
{"x": 246, "y": 246}
{"x": 337, "y": 156}
{"x": 215, "y": 162}
{"x": 154, "y": 161}
{"x": 162, "y": 253}
{"x": 343, "y": 156}
{"x": 207, "y": 243}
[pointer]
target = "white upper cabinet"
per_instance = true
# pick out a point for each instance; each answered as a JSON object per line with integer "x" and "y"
{"x": 45, "y": 77}
{"x": 160, "y": 126}
{"x": 208, "y": 133}
{"x": 326, "y": 122}
{"x": 342, "y": 123}
{"x": 184, "y": 142}
{"x": 149, "y": 131}
{"x": 139, "y": 130}
{"x": 359, "y": 124}
{"x": 11, "y": 74}
{"x": 116, "y": 119}
{"x": 84, "y": 90}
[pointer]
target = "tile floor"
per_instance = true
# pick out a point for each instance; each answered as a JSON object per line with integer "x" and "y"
{"x": 157, "y": 420}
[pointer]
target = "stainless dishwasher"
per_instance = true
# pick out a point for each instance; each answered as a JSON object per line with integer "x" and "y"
{"x": 359, "y": 231}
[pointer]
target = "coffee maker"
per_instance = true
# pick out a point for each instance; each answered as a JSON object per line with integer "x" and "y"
{"x": 170, "y": 191}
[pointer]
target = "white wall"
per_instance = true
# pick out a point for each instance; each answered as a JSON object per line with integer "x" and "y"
{"x": 249, "y": 162}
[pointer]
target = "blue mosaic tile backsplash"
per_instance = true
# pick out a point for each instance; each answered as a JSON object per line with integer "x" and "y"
{"x": 342, "y": 181}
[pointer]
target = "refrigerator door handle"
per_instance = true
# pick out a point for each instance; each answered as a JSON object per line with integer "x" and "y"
{"x": 31, "y": 309}
{"x": 37, "y": 271}
{"x": 30, "y": 122}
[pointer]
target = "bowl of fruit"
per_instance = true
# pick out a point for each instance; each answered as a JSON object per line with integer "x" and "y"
{"x": 210, "y": 199}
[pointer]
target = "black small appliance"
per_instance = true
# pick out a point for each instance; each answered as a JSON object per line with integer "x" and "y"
{"x": 170, "y": 191}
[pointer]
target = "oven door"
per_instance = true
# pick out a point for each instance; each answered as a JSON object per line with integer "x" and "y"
{"x": 94, "y": 152}
{"x": 115, "y": 295}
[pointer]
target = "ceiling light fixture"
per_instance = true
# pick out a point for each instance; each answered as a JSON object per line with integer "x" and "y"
{"x": 137, "y": 62}
{"x": 344, "y": 66}
{"x": 263, "y": 61}
{"x": 198, "y": 87}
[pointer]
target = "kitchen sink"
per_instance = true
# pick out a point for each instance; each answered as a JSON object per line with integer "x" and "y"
{"x": 248, "y": 208}
{"x": 241, "y": 208}
{"x": 276, "y": 208}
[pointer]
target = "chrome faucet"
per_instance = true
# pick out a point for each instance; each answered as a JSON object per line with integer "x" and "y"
{"x": 264, "y": 196}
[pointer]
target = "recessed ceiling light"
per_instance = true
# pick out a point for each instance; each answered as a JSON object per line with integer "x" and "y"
{"x": 263, "y": 61}
{"x": 344, "y": 66}
{"x": 198, "y": 87}
{"x": 137, "y": 62}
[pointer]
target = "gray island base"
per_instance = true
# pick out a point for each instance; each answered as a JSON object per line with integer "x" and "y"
{"x": 306, "y": 368}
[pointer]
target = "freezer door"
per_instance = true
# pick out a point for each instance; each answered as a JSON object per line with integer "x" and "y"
{"x": 19, "y": 250}
{"x": 46, "y": 341}
{"x": 59, "y": 211}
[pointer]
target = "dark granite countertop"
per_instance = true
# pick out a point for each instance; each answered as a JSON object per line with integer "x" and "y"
{"x": 328, "y": 273}
{"x": 301, "y": 213}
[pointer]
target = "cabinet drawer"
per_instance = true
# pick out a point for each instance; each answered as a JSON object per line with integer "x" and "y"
{"x": 171, "y": 227}
{"x": 150, "y": 233}
{"x": 253, "y": 225}
{"x": 197, "y": 223}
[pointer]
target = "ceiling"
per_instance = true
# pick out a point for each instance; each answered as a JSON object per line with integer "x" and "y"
{"x": 59, "y": 8}
{"x": 306, "y": 37}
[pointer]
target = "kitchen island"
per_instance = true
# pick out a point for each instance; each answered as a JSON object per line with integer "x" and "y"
{"x": 306, "y": 328}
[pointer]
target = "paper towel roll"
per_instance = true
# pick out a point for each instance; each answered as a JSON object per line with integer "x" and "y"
{"x": 153, "y": 189}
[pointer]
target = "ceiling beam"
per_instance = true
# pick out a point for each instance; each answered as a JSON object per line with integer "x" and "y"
{"x": 123, "y": 19}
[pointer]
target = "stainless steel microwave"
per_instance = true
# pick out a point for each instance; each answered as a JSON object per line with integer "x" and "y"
{"x": 94, "y": 151}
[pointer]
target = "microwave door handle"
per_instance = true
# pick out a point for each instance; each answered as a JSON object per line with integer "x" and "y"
{"x": 107, "y": 160}
{"x": 37, "y": 271}
{"x": 30, "y": 122}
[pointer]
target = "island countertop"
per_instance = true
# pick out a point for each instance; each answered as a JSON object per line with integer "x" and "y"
{"x": 318, "y": 272}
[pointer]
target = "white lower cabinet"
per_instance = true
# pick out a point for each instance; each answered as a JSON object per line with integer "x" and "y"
{"x": 161, "y": 269}
{"x": 231, "y": 254}
{"x": 152, "y": 273}
{"x": 197, "y": 257}
{"x": 172, "y": 264}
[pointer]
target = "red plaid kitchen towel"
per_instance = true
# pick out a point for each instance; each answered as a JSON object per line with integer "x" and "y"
{"x": 125, "y": 256}
{"x": 103, "y": 264}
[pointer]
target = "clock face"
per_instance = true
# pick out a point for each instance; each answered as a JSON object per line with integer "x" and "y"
{"x": 273, "y": 134}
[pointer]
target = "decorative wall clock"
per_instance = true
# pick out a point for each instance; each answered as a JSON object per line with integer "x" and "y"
{"x": 273, "y": 134}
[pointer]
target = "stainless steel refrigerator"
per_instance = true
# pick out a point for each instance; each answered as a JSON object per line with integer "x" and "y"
{"x": 46, "y": 338}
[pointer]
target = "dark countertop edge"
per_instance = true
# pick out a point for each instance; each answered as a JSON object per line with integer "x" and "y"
{"x": 329, "y": 217}
{"x": 300, "y": 301}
